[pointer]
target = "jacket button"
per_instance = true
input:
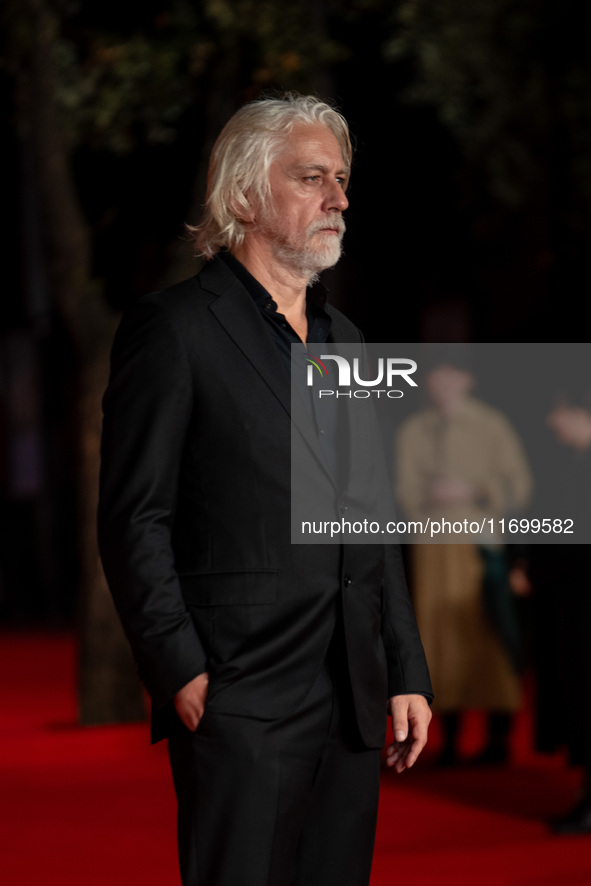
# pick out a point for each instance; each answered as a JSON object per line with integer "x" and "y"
{"x": 347, "y": 581}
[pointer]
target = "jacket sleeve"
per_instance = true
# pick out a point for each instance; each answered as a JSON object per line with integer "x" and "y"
{"x": 407, "y": 665}
{"x": 147, "y": 408}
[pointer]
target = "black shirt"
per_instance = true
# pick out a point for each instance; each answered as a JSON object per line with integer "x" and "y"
{"x": 319, "y": 322}
{"x": 329, "y": 419}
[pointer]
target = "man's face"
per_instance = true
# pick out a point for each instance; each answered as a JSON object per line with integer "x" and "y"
{"x": 303, "y": 225}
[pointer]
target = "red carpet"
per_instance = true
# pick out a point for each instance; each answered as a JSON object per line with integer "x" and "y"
{"x": 83, "y": 807}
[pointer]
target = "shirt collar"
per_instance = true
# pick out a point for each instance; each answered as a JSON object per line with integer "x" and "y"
{"x": 316, "y": 296}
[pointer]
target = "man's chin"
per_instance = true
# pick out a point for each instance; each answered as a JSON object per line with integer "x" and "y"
{"x": 326, "y": 256}
{"x": 309, "y": 262}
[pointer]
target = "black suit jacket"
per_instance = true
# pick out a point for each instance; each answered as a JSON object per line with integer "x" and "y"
{"x": 194, "y": 521}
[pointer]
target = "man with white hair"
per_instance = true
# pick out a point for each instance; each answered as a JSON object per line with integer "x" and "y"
{"x": 270, "y": 665}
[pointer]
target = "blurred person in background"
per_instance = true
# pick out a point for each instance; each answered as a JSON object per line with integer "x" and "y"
{"x": 557, "y": 577}
{"x": 460, "y": 458}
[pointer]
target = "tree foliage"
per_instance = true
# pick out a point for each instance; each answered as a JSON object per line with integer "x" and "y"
{"x": 510, "y": 79}
{"x": 119, "y": 82}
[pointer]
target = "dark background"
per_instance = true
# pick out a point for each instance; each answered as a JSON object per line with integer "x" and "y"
{"x": 469, "y": 217}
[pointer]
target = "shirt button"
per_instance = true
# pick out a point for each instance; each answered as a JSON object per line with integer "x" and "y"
{"x": 347, "y": 581}
{"x": 343, "y": 508}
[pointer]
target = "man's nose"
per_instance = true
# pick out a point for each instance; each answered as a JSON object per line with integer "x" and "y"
{"x": 336, "y": 198}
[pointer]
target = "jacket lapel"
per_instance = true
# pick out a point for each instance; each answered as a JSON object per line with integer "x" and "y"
{"x": 236, "y": 312}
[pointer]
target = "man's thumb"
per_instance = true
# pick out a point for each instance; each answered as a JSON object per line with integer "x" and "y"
{"x": 399, "y": 723}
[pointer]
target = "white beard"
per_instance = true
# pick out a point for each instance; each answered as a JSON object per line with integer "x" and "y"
{"x": 313, "y": 253}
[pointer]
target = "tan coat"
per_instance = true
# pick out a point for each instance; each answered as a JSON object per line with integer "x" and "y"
{"x": 469, "y": 665}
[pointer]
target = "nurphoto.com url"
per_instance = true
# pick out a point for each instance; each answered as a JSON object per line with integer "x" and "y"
{"x": 487, "y": 527}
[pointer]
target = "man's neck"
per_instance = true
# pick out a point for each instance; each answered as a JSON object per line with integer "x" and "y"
{"x": 287, "y": 288}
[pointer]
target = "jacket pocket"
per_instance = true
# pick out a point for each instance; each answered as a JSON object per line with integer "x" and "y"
{"x": 230, "y": 588}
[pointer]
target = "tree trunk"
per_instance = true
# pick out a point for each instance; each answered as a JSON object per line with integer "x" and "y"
{"x": 109, "y": 686}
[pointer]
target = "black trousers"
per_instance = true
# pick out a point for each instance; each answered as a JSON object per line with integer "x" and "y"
{"x": 290, "y": 802}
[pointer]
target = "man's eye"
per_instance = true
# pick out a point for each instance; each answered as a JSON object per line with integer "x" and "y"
{"x": 312, "y": 178}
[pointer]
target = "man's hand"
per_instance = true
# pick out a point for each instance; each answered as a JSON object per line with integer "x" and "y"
{"x": 411, "y": 716}
{"x": 189, "y": 701}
